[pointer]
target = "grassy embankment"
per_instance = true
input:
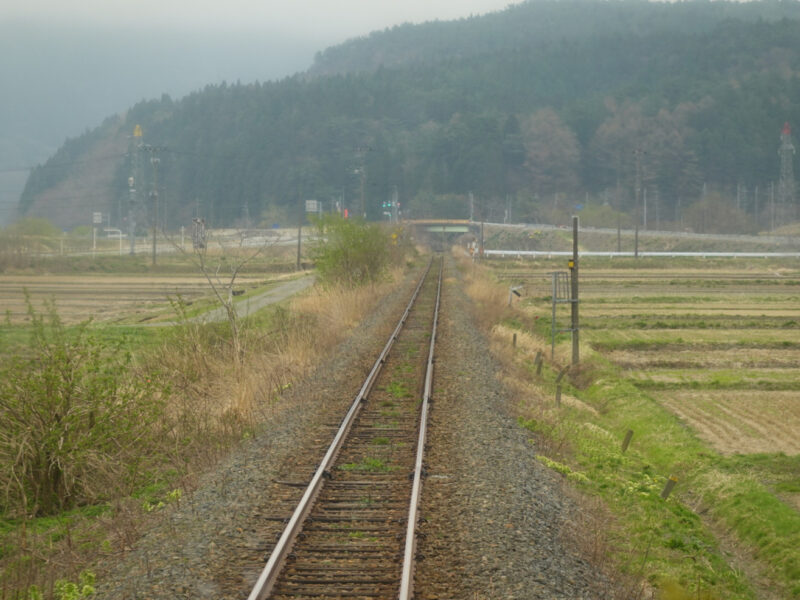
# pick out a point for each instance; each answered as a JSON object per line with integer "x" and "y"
{"x": 651, "y": 346}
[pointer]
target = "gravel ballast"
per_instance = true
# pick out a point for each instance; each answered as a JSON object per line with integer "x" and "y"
{"x": 494, "y": 514}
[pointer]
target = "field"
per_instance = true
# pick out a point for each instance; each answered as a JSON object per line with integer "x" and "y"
{"x": 745, "y": 323}
{"x": 701, "y": 359}
{"x": 689, "y": 332}
{"x": 126, "y": 290}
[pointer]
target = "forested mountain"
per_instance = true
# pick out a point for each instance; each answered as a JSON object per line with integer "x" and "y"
{"x": 530, "y": 24}
{"x": 533, "y": 109}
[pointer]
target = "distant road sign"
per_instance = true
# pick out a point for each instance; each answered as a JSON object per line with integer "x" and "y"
{"x": 312, "y": 206}
{"x": 97, "y": 218}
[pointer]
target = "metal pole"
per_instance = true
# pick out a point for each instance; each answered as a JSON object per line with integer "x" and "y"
{"x": 638, "y": 208}
{"x": 574, "y": 294}
{"x": 363, "y": 204}
{"x": 132, "y": 218}
{"x": 299, "y": 232}
{"x": 154, "y": 161}
{"x": 553, "y": 322}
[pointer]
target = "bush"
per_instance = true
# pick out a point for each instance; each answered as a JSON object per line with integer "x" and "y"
{"x": 74, "y": 426}
{"x": 351, "y": 251}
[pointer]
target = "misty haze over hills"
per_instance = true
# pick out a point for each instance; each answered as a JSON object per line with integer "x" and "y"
{"x": 59, "y": 81}
{"x": 528, "y": 108}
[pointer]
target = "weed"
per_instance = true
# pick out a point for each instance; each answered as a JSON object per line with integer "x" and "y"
{"x": 368, "y": 464}
{"x": 75, "y": 423}
{"x": 398, "y": 389}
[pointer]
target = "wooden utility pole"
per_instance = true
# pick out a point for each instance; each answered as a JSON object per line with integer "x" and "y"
{"x": 637, "y": 192}
{"x": 155, "y": 161}
{"x": 574, "y": 292}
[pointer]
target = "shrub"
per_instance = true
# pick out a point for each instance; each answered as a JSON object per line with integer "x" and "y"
{"x": 74, "y": 425}
{"x": 351, "y": 251}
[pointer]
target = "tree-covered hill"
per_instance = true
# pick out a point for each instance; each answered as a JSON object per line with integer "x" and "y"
{"x": 532, "y": 110}
{"x": 533, "y": 23}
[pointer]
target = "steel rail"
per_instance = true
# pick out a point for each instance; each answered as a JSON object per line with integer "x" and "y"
{"x": 407, "y": 576}
{"x": 271, "y": 571}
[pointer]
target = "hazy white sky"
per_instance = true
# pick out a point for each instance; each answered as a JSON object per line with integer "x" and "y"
{"x": 327, "y": 17}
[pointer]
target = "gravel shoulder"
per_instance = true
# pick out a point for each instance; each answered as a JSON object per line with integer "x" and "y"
{"x": 495, "y": 516}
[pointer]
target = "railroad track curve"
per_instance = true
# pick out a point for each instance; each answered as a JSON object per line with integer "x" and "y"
{"x": 353, "y": 532}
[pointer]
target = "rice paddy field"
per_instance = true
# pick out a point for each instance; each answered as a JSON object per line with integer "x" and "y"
{"x": 701, "y": 358}
{"x": 686, "y": 334}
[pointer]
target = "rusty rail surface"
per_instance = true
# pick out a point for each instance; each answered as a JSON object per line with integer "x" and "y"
{"x": 353, "y": 518}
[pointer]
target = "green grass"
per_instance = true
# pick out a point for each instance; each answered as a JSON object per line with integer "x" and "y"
{"x": 398, "y": 389}
{"x": 631, "y": 483}
{"x": 748, "y": 497}
{"x": 369, "y": 465}
{"x": 14, "y": 339}
{"x": 726, "y": 323}
{"x": 716, "y": 379}
{"x": 49, "y": 530}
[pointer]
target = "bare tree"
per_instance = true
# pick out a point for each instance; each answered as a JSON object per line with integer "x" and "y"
{"x": 222, "y": 269}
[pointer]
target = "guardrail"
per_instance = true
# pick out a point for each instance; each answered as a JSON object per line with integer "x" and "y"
{"x": 552, "y": 253}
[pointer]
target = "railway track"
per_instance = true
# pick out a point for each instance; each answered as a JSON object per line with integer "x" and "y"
{"x": 353, "y": 532}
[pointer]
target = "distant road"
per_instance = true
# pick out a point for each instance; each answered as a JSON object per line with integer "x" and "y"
{"x": 251, "y": 305}
{"x": 248, "y": 306}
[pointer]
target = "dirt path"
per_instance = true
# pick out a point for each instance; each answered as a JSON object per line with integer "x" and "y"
{"x": 251, "y": 305}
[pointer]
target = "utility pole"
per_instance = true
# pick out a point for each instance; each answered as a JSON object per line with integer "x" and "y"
{"x": 786, "y": 183}
{"x": 154, "y": 160}
{"x": 637, "y": 191}
{"x": 300, "y": 230}
{"x": 574, "y": 293}
{"x": 755, "y": 207}
{"x": 644, "y": 218}
{"x": 363, "y": 200}
{"x": 658, "y": 217}
{"x": 471, "y": 207}
{"x": 133, "y": 181}
{"x": 772, "y": 206}
{"x": 246, "y": 215}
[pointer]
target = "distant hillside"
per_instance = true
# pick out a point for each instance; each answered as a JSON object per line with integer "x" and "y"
{"x": 59, "y": 79}
{"x": 691, "y": 97}
{"x": 535, "y": 23}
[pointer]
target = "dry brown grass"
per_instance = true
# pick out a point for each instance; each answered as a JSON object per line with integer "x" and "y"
{"x": 741, "y": 421}
{"x": 729, "y": 358}
{"x": 225, "y": 392}
{"x": 214, "y": 403}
